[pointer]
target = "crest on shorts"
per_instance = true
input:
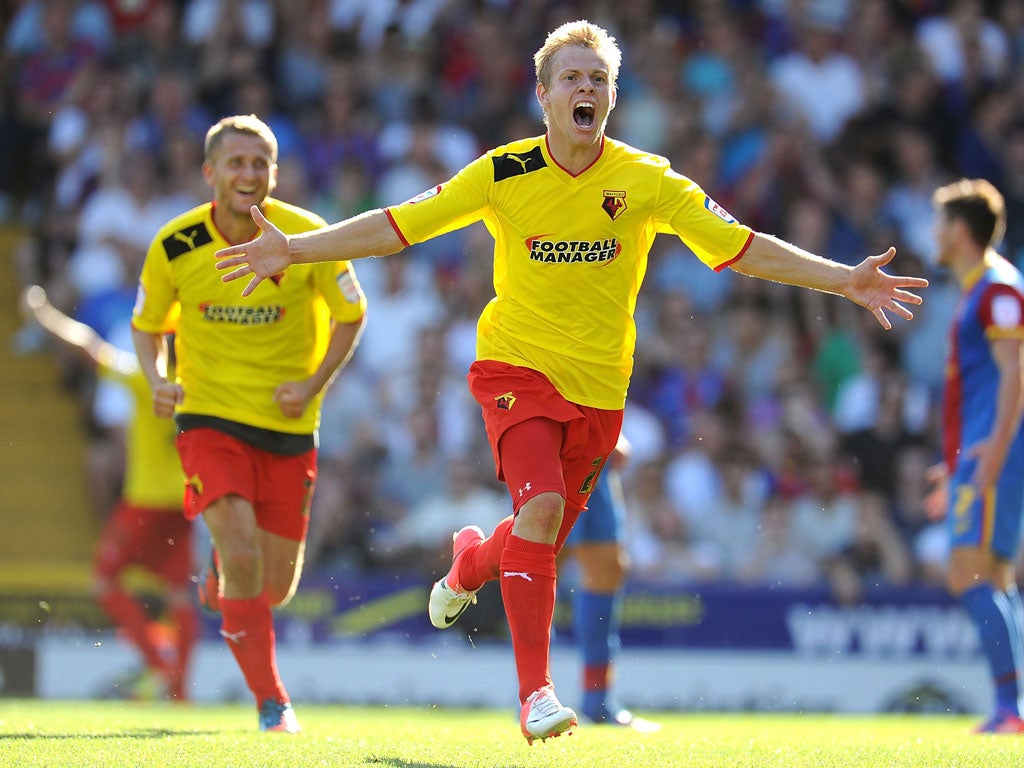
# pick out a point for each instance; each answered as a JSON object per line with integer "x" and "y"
{"x": 614, "y": 203}
{"x": 196, "y": 484}
{"x": 506, "y": 401}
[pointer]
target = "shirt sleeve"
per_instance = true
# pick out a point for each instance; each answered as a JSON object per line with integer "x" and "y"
{"x": 156, "y": 307}
{"x": 338, "y": 284}
{"x": 710, "y": 231}
{"x": 459, "y": 202}
{"x": 1002, "y": 313}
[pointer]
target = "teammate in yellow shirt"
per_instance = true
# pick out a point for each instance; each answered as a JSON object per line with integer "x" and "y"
{"x": 146, "y": 529}
{"x": 251, "y": 375}
{"x": 573, "y": 214}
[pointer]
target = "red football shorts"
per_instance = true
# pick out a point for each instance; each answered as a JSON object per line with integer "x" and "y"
{"x": 540, "y": 441}
{"x": 280, "y": 488}
{"x": 157, "y": 540}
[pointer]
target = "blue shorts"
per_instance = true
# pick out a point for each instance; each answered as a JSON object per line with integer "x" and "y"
{"x": 992, "y": 522}
{"x": 603, "y": 521}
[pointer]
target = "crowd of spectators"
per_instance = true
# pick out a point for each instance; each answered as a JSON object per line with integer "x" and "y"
{"x": 779, "y": 436}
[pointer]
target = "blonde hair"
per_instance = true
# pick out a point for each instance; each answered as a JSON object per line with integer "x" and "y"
{"x": 581, "y": 33}
{"x": 247, "y": 124}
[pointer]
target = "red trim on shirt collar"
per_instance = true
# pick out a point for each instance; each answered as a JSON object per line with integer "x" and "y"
{"x": 547, "y": 145}
{"x": 213, "y": 221}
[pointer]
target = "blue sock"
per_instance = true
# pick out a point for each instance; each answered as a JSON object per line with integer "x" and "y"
{"x": 994, "y": 619}
{"x": 596, "y": 621}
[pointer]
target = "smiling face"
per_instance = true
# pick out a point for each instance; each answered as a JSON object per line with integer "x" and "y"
{"x": 242, "y": 172}
{"x": 579, "y": 96}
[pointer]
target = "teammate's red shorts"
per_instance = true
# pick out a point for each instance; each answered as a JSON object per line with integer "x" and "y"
{"x": 541, "y": 442}
{"x": 280, "y": 488}
{"x": 158, "y": 540}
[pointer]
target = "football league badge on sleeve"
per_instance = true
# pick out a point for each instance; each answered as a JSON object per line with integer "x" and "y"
{"x": 718, "y": 210}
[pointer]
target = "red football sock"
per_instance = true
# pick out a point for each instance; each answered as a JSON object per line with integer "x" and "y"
{"x": 479, "y": 563}
{"x": 132, "y": 621}
{"x": 528, "y": 591}
{"x": 187, "y": 624}
{"x": 248, "y": 630}
{"x": 596, "y": 677}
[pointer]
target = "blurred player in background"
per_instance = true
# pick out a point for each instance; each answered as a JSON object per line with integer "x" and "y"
{"x": 146, "y": 529}
{"x": 980, "y": 484}
{"x": 250, "y": 378}
{"x": 573, "y": 214}
{"x": 597, "y": 544}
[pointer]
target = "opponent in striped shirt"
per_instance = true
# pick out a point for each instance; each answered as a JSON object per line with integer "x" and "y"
{"x": 981, "y": 480}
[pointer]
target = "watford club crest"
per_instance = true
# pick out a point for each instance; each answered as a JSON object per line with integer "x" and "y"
{"x": 506, "y": 401}
{"x": 614, "y": 203}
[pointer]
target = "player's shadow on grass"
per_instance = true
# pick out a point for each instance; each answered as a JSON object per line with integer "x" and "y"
{"x": 137, "y": 733}
{"x": 398, "y": 762}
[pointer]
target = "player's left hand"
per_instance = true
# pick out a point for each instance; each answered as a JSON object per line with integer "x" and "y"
{"x": 265, "y": 256}
{"x": 877, "y": 291}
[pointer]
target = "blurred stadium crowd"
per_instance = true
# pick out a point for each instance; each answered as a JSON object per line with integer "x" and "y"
{"x": 778, "y": 436}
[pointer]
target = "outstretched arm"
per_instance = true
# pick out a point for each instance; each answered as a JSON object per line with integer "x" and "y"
{"x": 73, "y": 333}
{"x": 866, "y": 284}
{"x": 272, "y": 252}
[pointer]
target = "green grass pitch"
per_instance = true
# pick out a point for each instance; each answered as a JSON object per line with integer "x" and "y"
{"x": 35, "y": 733}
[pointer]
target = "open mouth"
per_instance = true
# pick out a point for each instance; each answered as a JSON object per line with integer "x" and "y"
{"x": 583, "y": 114}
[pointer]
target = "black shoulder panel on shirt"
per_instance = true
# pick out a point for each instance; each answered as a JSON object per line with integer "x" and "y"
{"x": 185, "y": 240}
{"x": 517, "y": 163}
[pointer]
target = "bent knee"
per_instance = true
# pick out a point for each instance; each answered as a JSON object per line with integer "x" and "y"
{"x": 240, "y": 564}
{"x": 279, "y": 595}
{"x": 542, "y": 511}
{"x": 603, "y": 566}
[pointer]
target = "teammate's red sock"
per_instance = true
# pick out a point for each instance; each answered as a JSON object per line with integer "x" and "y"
{"x": 133, "y": 622}
{"x": 528, "y": 591}
{"x": 187, "y": 624}
{"x": 248, "y": 630}
{"x": 479, "y": 563}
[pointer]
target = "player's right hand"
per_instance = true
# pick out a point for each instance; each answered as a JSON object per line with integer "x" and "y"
{"x": 166, "y": 397}
{"x": 264, "y": 256}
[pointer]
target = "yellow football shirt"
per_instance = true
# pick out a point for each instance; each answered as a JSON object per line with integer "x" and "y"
{"x": 233, "y": 352}
{"x": 570, "y": 253}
